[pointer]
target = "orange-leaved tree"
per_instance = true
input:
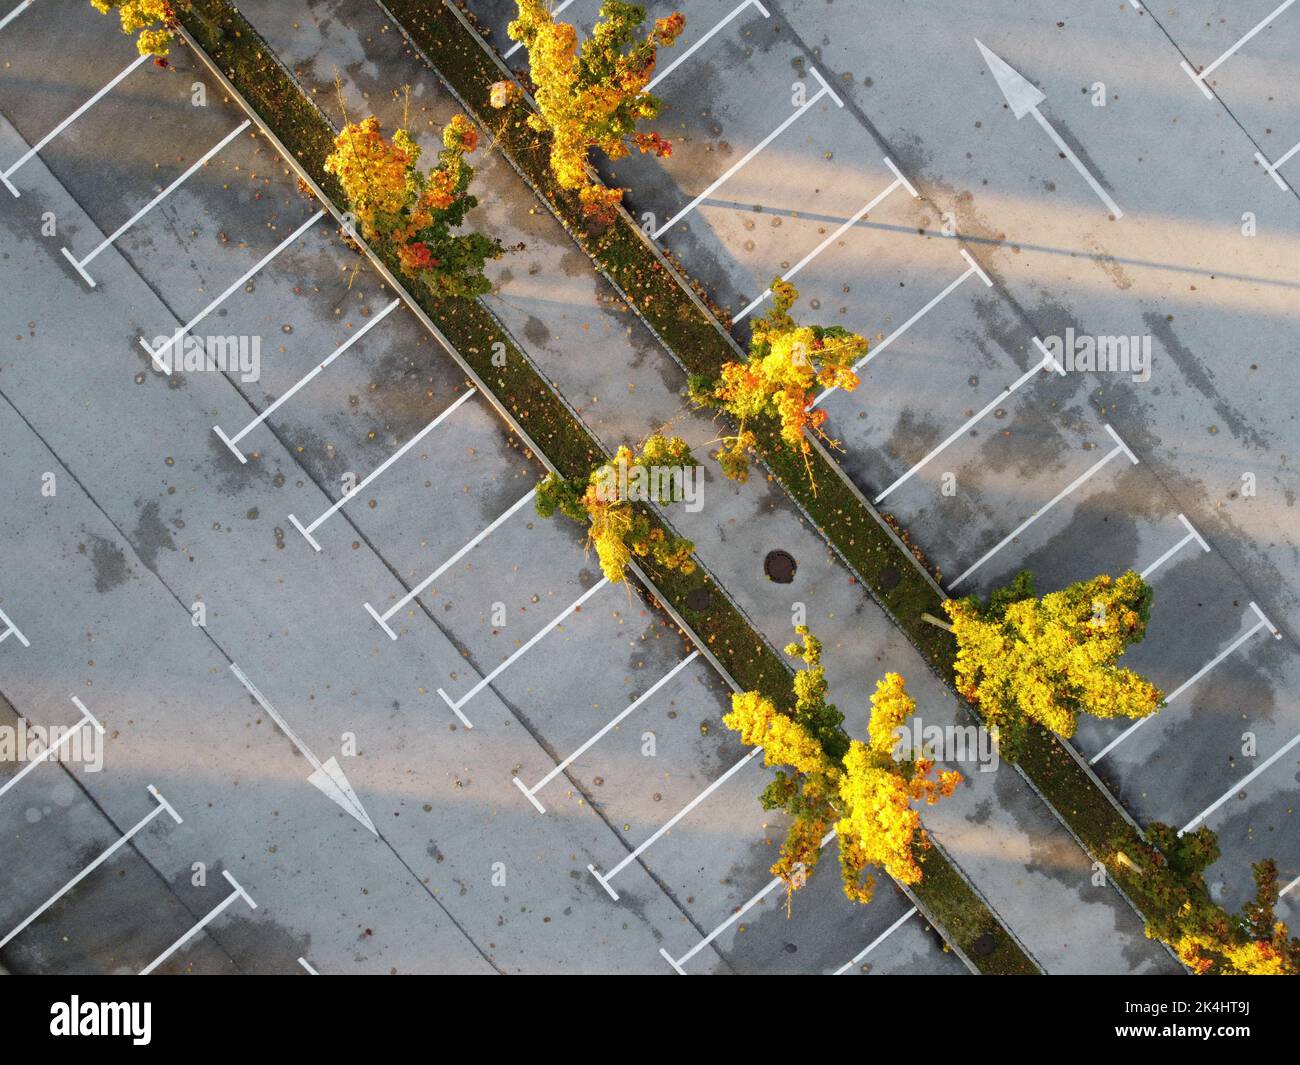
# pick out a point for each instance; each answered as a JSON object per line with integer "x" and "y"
{"x": 1028, "y": 661}
{"x": 606, "y": 500}
{"x": 154, "y": 20}
{"x": 827, "y": 781}
{"x": 593, "y": 96}
{"x": 416, "y": 214}
{"x": 787, "y": 363}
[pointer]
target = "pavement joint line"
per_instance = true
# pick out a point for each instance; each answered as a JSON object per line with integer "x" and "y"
{"x": 15, "y": 13}
{"x": 232, "y": 441}
{"x": 80, "y": 264}
{"x": 338, "y": 505}
{"x": 1263, "y": 622}
{"x": 162, "y": 806}
{"x": 307, "y": 965}
{"x": 555, "y": 11}
{"x": 87, "y": 718}
{"x": 698, "y": 44}
{"x": 1192, "y": 535}
{"x": 1272, "y": 168}
{"x": 877, "y": 941}
{"x": 966, "y": 425}
{"x": 67, "y": 122}
{"x": 531, "y": 793}
{"x": 731, "y": 170}
{"x": 458, "y": 703}
{"x": 217, "y": 911}
{"x": 668, "y": 825}
{"x": 1119, "y": 449}
{"x": 847, "y": 225}
{"x": 738, "y": 913}
{"x": 478, "y": 539}
{"x": 1262, "y": 25}
{"x": 12, "y": 629}
{"x": 182, "y": 330}
{"x": 1240, "y": 786}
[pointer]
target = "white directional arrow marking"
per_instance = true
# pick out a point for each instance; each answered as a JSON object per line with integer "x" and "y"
{"x": 328, "y": 777}
{"x": 1023, "y": 99}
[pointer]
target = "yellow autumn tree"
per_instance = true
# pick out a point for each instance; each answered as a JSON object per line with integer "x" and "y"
{"x": 1024, "y": 660}
{"x": 826, "y": 781}
{"x": 417, "y": 215}
{"x": 606, "y": 501}
{"x": 593, "y": 96}
{"x": 154, "y": 20}
{"x": 787, "y": 363}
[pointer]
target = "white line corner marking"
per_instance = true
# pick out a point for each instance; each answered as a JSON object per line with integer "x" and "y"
{"x": 217, "y": 911}
{"x": 807, "y": 105}
{"x": 456, "y": 704}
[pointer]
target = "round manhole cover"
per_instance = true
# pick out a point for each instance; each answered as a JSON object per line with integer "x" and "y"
{"x": 984, "y": 946}
{"x": 780, "y": 566}
{"x": 699, "y": 599}
{"x": 889, "y": 578}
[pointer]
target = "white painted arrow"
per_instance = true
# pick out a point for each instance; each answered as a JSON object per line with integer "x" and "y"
{"x": 1023, "y": 98}
{"x": 328, "y": 777}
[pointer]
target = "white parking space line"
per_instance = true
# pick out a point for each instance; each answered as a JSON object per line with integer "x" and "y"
{"x": 554, "y": 11}
{"x": 144, "y": 822}
{"x": 1272, "y": 168}
{"x": 217, "y": 911}
{"x": 309, "y": 529}
{"x": 307, "y": 965}
{"x": 678, "y": 964}
{"x": 857, "y": 958}
{"x": 231, "y": 441}
{"x": 1290, "y": 887}
{"x": 531, "y": 793}
{"x": 973, "y": 270}
{"x": 1263, "y": 622}
{"x": 1120, "y": 448}
{"x": 383, "y": 618}
{"x": 1049, "y": 362}
{"x": 458, "y": 703}
{"x": 7, "y": 174}
{"x": 898, "y": 182}
{"x": 702, "y": 41}
{"x": 808, "y": 104}
{"x": 1192, "y": 534}
{"x": 182, "y": 330}
{"x": 12, "y": 630}
{"x": 15, "y": 13}
{"x": 1240, "y": 786}
{"x": 606, "y": 878}
{"x": 87, "y": 718}
{"x": 1200, "y": 78}
{"x": 80, "y": 264}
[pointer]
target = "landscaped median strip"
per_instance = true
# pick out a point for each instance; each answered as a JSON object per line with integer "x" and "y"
{"x": 546, "y": 424}
{"x": 666, "y": 302}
